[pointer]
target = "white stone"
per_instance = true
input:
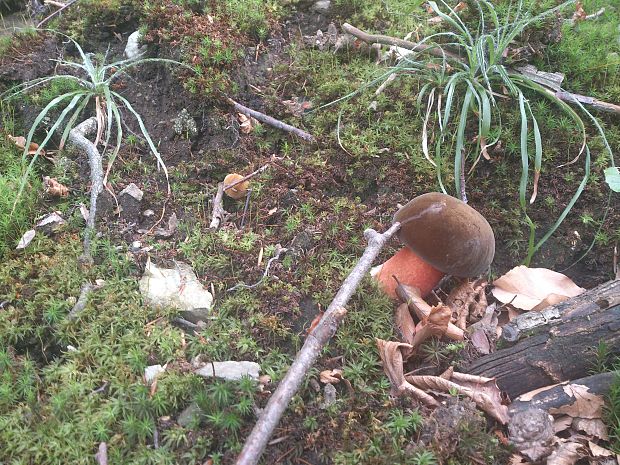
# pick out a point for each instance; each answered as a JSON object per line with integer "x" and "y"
{"x": 152, "y": 372}
{"x": 321, "y": 6}
{"x": 174, "y": 287}
{"x": 132, "y": 190}
{"x": 134, "y": 50}
{"x": 230, "y": 370}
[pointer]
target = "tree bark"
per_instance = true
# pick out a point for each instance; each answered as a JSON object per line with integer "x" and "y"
{"x": 560, "y": 348}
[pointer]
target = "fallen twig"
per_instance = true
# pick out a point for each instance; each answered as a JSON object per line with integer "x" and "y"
{"x": 77, "y": 137}
{"x": 279, "y": 252}
{"x": 245, "y": 178}
{"x": 219, "y": 213}
{"x": 57, "y": 12}
{"x": 270, "y": 121}
{"x": 80, "y": 305}
{"x": 567, "y": 97}
{"x": 316, "y": 340}
{"x": 402, "y": 43}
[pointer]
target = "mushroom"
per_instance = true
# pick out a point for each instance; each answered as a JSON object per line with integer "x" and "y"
{"x": 442, "y": 235}
{"x": 238, "y": 189}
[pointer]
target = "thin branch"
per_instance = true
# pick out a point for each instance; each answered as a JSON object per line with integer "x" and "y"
{"x": 245, "y": 178}
{"x": 402, "y": 43}
{"x": 316, "y": 340}
{"x": 77, "y": 137}
{"x": 57, "y": 12}
{"x": 279, "y": 252}
{"x": 80, "y": 305}
{"x": 219, "y": 213}
{"x": 270, "y": 121}
{"x": 567, "y": 97}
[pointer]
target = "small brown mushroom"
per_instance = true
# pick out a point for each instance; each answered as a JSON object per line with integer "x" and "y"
{"x": 237, "y": 191}
{"x": 448, "y": 234}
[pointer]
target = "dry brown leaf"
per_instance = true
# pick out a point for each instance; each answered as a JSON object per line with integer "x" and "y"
{"x": 562, "y": 423}
{"x": 331, "y": 376}
{"x": 567, "y": 453}
{"x": 526, "y": 288}
{"x": 483, "y": 391}
{"x": 480, "y": 341}
{"x": 435, "y": 325}
{"x": 392, "y": 359}
{"x": 598, "y": 451}
{"x": 54, "y": 188}
{"x": 592, "y": 427}
{"x": 516, "y": 459}
{"x": 404, "y": 323}
{"x": 528, "y": 396}
{"x": 20, "y": 142}
{"x": 586, "y": 405}
{"x": 246, "y": 123}
{"x": 416, "y": 303}
{"x": 579, "y": 14}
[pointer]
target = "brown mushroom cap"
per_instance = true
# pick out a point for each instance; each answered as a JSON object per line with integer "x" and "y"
{"x": 240, "y": 190}
{"x": 447, "y": 233}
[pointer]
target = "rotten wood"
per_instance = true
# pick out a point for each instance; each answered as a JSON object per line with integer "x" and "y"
{"x": 547, "y": 80}
{"x": 312, "y": 348}
{"x": 560, "y": 395}
{"x": 263, "y": 118}
{"x": 560, "y": 349}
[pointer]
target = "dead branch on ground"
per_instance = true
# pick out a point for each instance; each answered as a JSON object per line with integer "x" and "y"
{"x": 77, "y": 137}
{"x": 316, "y": 340}
{"x": 55, "y": 13}
{"x": 271, "y": 121}
{"x": 567, "y": 97}
{"x": 219, "y": 214}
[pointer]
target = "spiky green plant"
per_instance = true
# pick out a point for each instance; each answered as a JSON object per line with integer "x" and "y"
{"x": 467, "y": 77}
{"x": 95, "y": 85}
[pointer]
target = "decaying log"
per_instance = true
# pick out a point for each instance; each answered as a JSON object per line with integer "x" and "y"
{"x": 560, "y": 349}
{"x": 559, "y": 395}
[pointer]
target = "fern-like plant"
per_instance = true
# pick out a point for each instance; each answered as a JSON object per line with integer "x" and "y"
{"x": 95, "y": 85}
{"x": 465, "y": 79}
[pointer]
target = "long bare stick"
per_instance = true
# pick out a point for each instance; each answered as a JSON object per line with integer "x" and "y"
{"x": 567, "y": 97}
{"x": 316, "y": 340}
{"x": 45, "y": 20}
{"x": 271, "y": 121}
{"x": 77, "y": 137}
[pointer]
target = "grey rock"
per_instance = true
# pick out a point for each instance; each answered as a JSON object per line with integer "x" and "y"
{"x": 135, "y": 246}
{"x": 190, "y": 415}
{"x": 148, "y": 213}
{"x": 133, "y": 49}
{"x": 130, "y": 201}
{"x": 321, "y": 6}
{"x": 230, "y": 370}
{"x": 196, "y": 315}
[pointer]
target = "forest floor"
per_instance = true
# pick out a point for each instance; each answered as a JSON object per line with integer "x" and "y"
{"x": 66, "y": 385}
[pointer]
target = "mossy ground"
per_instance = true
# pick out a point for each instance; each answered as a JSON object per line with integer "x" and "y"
{"x": 66, "y": 386}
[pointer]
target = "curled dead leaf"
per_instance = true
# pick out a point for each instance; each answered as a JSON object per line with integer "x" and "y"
{"x": 435, "y": 325}
{"x": 331, "y": 376}
{"x": 20, "y": 142}
{"x": 483, "y": 391}
{"x": 527, "y": 288}
{"x": 586, "y": 404}
{"x": 246, "y": 123}
{"x": 404, "y": 323}
{"x": 54, "y": 188}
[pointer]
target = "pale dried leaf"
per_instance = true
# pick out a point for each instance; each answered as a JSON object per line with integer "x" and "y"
{"x": 528, "y": 396}
{"x": 392, "y": 360}
{"x": 567, "y": 453}
{"x": 486, "y": 395}
{"x": 331, "y": 376}
{"x": 246, "y": 123}
{"x": 598, "y": 451}
{"x": 435, "y": 325}
{"x": 20, "y": 142}
{"x": 26, "y": 239}
{"x": 592, "y": 427}
{"x": 54, "y": 188}
{"x": 404, "y": 323}
{"x": 562, "y": 423}
{"x": 579, "y": 14}
{"x": 480, "y": 341}
{"x": 525, "y": 287}
{"x": 84, "y": 212}
{"x": 516, "y": 459}
{"x": 551, "y": 299}
{"x": 586, "y": 405}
